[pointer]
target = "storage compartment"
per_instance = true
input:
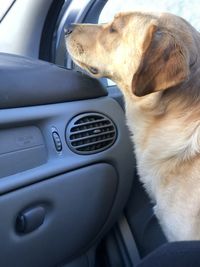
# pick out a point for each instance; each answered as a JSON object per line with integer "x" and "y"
{"x": 21, "y": 149}
{"x": 76, "y": 206}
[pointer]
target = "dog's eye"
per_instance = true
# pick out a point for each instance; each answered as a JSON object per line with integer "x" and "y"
{"x": 112, "y": 29}
{"x": 93, "y": 70}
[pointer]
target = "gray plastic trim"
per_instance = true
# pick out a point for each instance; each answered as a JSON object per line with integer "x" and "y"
{"x": 56, "y": 116}
{"x": 76, "y": 206}
{"x": 28, "y": 82}
{"x": 129, "y": 244}
{"x": 21, "y": 149}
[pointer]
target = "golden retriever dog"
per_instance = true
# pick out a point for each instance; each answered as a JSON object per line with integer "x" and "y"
{"x": 154, "y": 58}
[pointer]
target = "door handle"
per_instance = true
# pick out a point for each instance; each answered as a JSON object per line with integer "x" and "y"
{"x": 30, "y": 219}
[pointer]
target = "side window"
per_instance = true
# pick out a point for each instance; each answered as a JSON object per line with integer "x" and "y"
{"x": 188, "y": 9}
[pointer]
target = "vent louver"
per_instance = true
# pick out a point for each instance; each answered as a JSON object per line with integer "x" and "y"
{"x": 90, "y": 133}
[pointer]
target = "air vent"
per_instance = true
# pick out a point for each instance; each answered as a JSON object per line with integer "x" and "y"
{"x": 90, "y": 133}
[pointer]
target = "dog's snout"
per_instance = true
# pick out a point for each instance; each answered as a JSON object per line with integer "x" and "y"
{"x": 68, "y": 29}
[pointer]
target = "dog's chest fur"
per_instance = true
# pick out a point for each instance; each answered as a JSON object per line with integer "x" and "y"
{"x": 168, "y": 165}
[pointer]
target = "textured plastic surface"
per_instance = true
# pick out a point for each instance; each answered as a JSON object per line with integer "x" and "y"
{"x": 27, "y": 82}
{"x": 55, "y": 117}
{"x": 77, "y": 205}
{"x": 21, "y": 149}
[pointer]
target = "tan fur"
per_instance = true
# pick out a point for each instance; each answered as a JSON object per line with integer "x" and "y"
{"x": 155, "y": 60}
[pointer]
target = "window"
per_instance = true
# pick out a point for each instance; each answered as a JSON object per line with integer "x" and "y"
{"x": 188, "y": 9}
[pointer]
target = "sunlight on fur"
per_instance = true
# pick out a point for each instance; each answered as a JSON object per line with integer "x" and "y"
{"x": 154, "y": 58}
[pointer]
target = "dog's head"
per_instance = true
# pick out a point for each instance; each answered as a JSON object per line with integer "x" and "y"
{"x": 141, "y": 52}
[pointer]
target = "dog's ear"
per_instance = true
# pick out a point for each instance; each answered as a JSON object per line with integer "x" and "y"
{"x": 164, "y": 63}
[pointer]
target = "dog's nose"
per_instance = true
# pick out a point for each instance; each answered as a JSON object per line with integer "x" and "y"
{"x": 68, "y": 29}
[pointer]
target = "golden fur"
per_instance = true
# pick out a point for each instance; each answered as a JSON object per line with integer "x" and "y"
{"x": 155, "y": 61}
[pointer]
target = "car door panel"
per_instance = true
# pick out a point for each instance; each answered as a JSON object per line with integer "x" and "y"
{"x": 76, "y": 205}
{"x": 64, "y": 200}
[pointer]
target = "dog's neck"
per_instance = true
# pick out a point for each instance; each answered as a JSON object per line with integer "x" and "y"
{"x": 166, "y": 131}
{"x": 166, "y": 115}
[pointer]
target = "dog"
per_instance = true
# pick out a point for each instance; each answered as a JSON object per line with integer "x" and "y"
{"x": 154, "y": 58}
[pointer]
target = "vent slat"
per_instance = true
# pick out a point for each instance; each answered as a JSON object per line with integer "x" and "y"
{"x": 94, "y": 143}
{"x": 91, "y": 124}
{"x": 91, "y": 129}
{"x": 96, "y": 147}
{"x": 90, "y": 140}
{"x": 90, "y": 133}
{"x": 90, "y": 121}
{"x": 93, "y": 135}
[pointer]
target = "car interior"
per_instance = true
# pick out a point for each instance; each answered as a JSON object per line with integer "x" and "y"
{"x": 70, "y": 193}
